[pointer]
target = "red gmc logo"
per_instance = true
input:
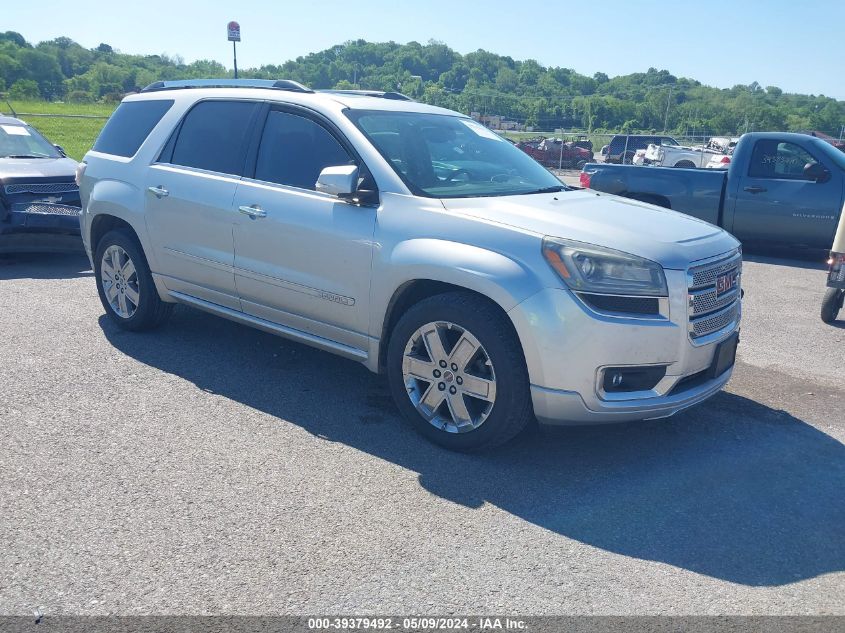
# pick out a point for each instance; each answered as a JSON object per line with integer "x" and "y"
{"x": 726, "y": 283}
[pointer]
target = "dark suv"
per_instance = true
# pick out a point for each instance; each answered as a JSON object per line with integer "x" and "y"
{"x": 623, "y": 146}
{"x": 39, "y": 199}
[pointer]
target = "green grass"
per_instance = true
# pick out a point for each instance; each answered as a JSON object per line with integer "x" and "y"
{"x": 75, "y": 135}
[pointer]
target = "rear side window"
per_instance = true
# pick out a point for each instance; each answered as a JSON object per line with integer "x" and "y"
{"x": 214, "y": 136}
{"x": 294, "y": 150}
{"x": 129, "y": 126}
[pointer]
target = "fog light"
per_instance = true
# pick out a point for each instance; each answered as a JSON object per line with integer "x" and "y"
{"x": 624, "y": 379}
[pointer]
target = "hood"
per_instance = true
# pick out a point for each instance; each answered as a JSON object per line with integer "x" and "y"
{"x": 22, "y": 168}
{"x": 667, "y": 237}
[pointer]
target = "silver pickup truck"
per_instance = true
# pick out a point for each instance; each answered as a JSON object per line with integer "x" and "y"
{"x": 416, "y": 241}
{"x": 779, "y": 189}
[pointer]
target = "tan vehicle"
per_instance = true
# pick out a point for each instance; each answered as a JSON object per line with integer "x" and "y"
{"x": 835, "y": 295}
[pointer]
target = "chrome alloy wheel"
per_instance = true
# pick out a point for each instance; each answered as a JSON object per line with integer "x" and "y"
{"x": 120, "y": 281}
{"x": 449, "y": 377}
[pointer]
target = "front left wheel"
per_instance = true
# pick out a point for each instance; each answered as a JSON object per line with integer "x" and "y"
{"x": 125, "y": 285}
{"x": 457, "y": 372}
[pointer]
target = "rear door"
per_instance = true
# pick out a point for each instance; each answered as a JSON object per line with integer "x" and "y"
{"x": 303, "y": 258}
{"x": 189, "y": 194}
{"x": 776, "y": 203}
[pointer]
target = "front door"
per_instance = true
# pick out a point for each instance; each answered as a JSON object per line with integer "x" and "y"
{"x": 302, "y": 258}
{"x": 776, "y": 203}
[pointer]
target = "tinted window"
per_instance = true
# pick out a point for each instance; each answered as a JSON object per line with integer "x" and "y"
{"x": 774, "y": 159}
{"x": 214, "y": 136}
{"x": 294, "y": 150}
{"x": 129, "y": 126}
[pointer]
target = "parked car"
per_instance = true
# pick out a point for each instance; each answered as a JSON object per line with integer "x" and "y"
{"x": 679, "y": 156}
{"x": 553, "y": 152}
{"x": 39, "y": 200}
{"x": 414, "y": 240}
{"x": 718, "y": 161}
{"x": 622, "y": 147}
{"x": 779, "y": 188}
{"x": 834, "y": 296}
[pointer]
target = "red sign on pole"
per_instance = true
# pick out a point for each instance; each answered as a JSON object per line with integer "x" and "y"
{"x": 234, "y": 30}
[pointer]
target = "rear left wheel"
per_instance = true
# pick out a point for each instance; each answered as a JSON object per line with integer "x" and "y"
{"x": 125, "y": 285}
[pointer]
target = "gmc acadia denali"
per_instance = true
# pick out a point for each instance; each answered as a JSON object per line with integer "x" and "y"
{"x": 416, "y": 241}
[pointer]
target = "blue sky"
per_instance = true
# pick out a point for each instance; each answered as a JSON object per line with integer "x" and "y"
{"x": 797, "y": 46}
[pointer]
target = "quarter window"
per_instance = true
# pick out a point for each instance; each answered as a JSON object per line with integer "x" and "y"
{"x": 294, "y": 150}
{"x": 214, "y": 136}
{"x": 773, "y": 159}
{"x": 129, "y": 126}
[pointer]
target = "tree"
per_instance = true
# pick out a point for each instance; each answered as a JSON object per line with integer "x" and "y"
{"x": 24, "y": 90}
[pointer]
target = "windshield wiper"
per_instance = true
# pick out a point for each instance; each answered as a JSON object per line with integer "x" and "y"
{"x": 554, "y": 189}
{"x": 27, "y": 156}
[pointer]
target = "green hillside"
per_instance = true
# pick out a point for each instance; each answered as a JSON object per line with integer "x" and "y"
{"x": 542, "y": 97}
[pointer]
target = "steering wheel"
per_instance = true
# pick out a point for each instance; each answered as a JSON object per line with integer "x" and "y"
{"x": 500, "y": 178}
{"x": 459, "y": 172}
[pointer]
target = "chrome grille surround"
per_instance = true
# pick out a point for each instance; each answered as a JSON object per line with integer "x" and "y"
{"x": 46, "y": 187}
{"x": 709, "y": 315}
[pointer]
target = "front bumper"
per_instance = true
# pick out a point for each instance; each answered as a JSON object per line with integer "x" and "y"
{"x": 568, "y": 345}
{"x": 40, "y": 216}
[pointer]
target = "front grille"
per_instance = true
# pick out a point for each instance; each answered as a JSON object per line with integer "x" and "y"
{"x": 47, "y": 187}
{"x": 44, "y": 208}
{"x": 837, "y": 275}
{"x": 714, "y": 322}
{"x": 708, "y": 312}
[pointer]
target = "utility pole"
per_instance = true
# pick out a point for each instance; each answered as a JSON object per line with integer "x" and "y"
{"x": 666, "y": 118}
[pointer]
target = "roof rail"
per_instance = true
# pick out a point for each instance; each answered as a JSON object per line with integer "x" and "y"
{"x": 396, "y": 96}
{"x": 271, "y": 84}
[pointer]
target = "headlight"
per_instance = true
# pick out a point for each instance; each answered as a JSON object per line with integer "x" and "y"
{"x": 588, "y": 268}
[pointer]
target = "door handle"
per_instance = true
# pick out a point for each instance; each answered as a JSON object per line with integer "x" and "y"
{"x": 755, "y": 189}
{"x": 159, "y": 192}
{"x": 253, "y": 211}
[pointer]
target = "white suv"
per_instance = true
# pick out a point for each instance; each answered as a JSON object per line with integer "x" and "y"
{"x": 412, "y": 239}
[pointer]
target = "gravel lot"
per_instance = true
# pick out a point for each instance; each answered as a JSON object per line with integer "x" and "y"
{"x": 211, "y": 468}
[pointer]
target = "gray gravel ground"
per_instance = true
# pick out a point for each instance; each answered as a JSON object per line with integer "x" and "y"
{"x": 210, "y": 468}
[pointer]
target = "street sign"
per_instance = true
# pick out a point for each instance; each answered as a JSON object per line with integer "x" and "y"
{"x": 234, "y": 30}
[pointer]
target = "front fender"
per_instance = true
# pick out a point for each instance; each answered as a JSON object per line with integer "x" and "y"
{"x": 500, "y": 278}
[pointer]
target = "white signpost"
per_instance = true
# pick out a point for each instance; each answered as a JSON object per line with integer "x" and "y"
{"x": 234, "y": 31}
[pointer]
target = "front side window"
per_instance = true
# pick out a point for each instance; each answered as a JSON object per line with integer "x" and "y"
{"x": 294, "y": 150}
{"x": 445, "y": 156}
{"x": 214, "y": 136}
{"x": 129, "y": 126}
{"x": 774, "y": 159}
{"x": 22, "y": 141}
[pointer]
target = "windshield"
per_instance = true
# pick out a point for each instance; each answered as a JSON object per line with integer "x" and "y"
{"x": 444, "y": 156}
{"x": 22, "y": 141}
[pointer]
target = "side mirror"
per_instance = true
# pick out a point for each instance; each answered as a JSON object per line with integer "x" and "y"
{"x": 340, "y": 181}
{"x": 816, "y": 172}
{"x": 61, "y": 150}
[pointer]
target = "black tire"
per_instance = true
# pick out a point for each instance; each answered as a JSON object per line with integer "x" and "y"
{"x": 628, "y": 158}
{"x": 151, "y": 311}
{"x": 580, "y": 165}
{"x": 832, "y": 304}
{"x": 685, "y": 164}
{"x": 511, "y": 411}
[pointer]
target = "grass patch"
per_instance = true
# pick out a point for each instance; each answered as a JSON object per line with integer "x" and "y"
{"x": 75, "y": 135}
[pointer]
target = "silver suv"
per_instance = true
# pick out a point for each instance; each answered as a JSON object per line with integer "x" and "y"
{"x": 416, "y": 241}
